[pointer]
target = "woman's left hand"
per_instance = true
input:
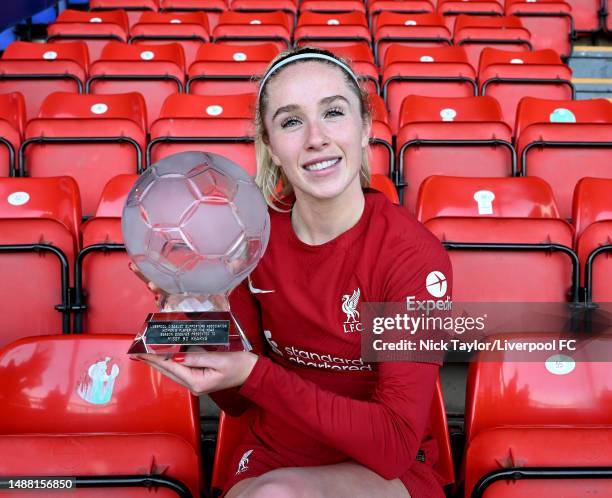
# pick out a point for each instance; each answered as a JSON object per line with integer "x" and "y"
{"x": 204, "y": 372}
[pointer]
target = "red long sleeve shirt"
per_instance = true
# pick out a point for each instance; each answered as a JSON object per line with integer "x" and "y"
{"x": 319, "y": 403}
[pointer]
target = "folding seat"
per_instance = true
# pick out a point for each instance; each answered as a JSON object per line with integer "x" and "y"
{"x": 133, "y": 8}
{"x": 408, "y": 29}
{"x": 249, "y": 28}
{"x": 323, "y": 29}
{"x": 89, "y": 137}
{"x": 289, "y": 7}
{"x": 103, "y": 279}
{"x": 381, "y": 153}
{"x": 451, "y": 136}
{"x": 39, "y": 227}
{"x": 377, "y": 7}
{"x": 384, "y": 184}
{"x": 222, "y": 124}
{"x": 189, "y": 30}
{"x": 478, "y": 9}
{"x": 426, "y": 71}
{"x": 361, "y": 61}
{"x": 223, "y": 69}
{"x": 509, "y": 76}
{"x": 78, "y": 407}
{"x": 477, "y": 32}
{"x": 564, "y": 141}
{"x": 212, "y": 8}
{"x": 232, "y": 430}
{"x": 540, "y": 424}
{"x": 95, "y": 29}
{"x": 155, "y": 71}
{"x": 12, "y": 122}
{"x": 549, "y": 22}
{"x": 332, "y": 6}
{"x": 37, "y": 69}
{"x": 452, "y": 196}
{"x": 586, "y": 15}
{"x": 592, "y": 217}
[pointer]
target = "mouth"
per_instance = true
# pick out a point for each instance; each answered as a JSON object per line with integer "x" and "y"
{"x": 321, "y": 165}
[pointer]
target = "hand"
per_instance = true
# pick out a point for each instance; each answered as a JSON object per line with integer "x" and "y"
{"x": 205, "y": 372}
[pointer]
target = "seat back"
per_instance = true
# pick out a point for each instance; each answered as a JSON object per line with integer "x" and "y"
{"x": 449, "y": 196}
{"x": 133, "y": 8}
{"x": 107, "y": 414}
{"x": 247, "y": 28}
{"x": 564, "y": 141}
{"x": 383, "y": 184}
{"x": 12, "y": 122}
{"x": 337, "y": 28}
{"x": 38, "y": 69}
{"x": 114, "y": 196}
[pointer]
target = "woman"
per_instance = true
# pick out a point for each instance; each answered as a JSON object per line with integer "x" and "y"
{"x": 328, "y": 424}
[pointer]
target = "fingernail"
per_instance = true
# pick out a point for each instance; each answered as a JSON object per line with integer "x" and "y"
{"x": 179, "y": 358}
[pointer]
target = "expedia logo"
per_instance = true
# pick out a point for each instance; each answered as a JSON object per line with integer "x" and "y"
{"x": 435, "y": 283}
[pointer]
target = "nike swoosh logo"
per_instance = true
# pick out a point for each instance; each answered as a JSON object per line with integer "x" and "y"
{"x": 254, "y": 290}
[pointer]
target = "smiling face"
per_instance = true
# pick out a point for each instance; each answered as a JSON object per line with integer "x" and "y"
{"x": 315, "y": 130}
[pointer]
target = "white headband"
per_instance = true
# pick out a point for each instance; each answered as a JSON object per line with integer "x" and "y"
{"x": 297, "y": 57}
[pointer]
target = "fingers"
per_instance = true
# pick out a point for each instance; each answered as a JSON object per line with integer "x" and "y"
{"x": 165, "y": 367}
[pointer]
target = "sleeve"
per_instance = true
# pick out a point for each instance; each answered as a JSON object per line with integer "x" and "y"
{"x": 383, "y": 433}
{"x": 245, "y": 309}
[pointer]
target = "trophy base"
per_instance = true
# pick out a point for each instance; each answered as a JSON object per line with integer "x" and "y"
{"x": 171, "y": 333}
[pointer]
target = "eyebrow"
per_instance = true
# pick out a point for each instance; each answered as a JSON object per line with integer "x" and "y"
{"x": 294, "y": 107}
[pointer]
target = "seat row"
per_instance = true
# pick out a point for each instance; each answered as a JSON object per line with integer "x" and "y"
{"x": 61, "y": 275}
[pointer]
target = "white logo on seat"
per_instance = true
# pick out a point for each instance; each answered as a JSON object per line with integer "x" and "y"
{"x": 99, "y": 108}
{"x": 410, "y": 22}
{"x": 255, "y": 21}
{"x": 426, "y": 58}
{"x": 436, "y": 284}
{"x": 517, "y": 61}
{"x": 484, "y": 199}
{"x": 95, "y": 19}
{"x": 243, "y": 464}
{"x": 147, "y": 55}
{"x": 448, "y": 114}
{"x": 333, "y": 22}
{"x": 560, "y": 364}
{"x": 97, "y": 386}
{"x": 50, "y": 55}
{"x": 239, "y": 57}
{"x": 18, "y": 198}
{"x": 561, "y": 115}
{"x": 175, "y": 21}
{"x": 214, "y": 110}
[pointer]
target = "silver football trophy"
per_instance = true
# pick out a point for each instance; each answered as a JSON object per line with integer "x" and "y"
{"x": 195, "y": 224}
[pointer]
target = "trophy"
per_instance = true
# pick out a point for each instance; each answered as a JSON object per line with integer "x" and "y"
{"x": 195, "y": 224}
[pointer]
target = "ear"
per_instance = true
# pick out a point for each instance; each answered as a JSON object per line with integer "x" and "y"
{"x": 275, "y": 159}
{"x": 365, "y": 132}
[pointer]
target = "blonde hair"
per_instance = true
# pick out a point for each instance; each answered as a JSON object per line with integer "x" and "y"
{"x": 269, "y": 174}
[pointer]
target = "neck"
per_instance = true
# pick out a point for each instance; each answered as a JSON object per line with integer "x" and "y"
{"x": 317, "y": 221}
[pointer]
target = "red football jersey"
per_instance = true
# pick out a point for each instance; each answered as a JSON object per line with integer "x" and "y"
{"x": 318, "y": 402}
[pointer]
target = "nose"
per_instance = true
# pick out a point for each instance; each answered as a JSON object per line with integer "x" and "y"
{"x": 316, "y": 137}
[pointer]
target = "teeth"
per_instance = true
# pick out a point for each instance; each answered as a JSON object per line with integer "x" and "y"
{"x": 321, "y": 165}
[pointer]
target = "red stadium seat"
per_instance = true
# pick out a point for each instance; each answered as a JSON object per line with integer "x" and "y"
{"x": 38, "y": 69}
{"x": 76, "y": 406}
{"x": 155, "y": 71}
{"x": 289, "y": 7}
{"x": 39, "y": 240}
{"x": 425, "y": 71}
{"x": 586, "y": 15}
{"x": 226, "y": 69}
{"x": 383, "y": 184}
{"x": 509, "y": 76}
{"x": 477, "y": 32}
{"x": 381, "y": 153}
{"x": 509, "y": 259}
{"x": 95, "y": 29}
{"x": 477, "y": 9}
{"x": 212, "y": 8}
{"x": 451, "y": 136}
{"x": 549, "y": 22}
{"x": 189, "y": 30}
{"x": 592, "y": 216}
{"x": 324, "y": 29}
{"x": 450, "y": 196}
{"x": 249, "y": 28}
{"x": 377, "y": 7}
{"x": 114, "y": 196}
{"x": 412, "y": 30}
{"x": 221, "y": 124}
{"x": 564, "y": 141}
{"x": 232, "y": 430}
{"x": 133, "y": 8}
{"x": 12, "y": 122}
{"x": 540, "y": 411}
{"x": 89, "y": 137}
{"x": 333, "y": 6}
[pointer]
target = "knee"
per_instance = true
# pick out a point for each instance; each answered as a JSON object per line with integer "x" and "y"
{"x": 281, "y": 483}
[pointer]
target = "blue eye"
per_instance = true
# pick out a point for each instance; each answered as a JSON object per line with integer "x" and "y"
{"x": 334, "y": 112}
{"x": 290, "y": 122}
